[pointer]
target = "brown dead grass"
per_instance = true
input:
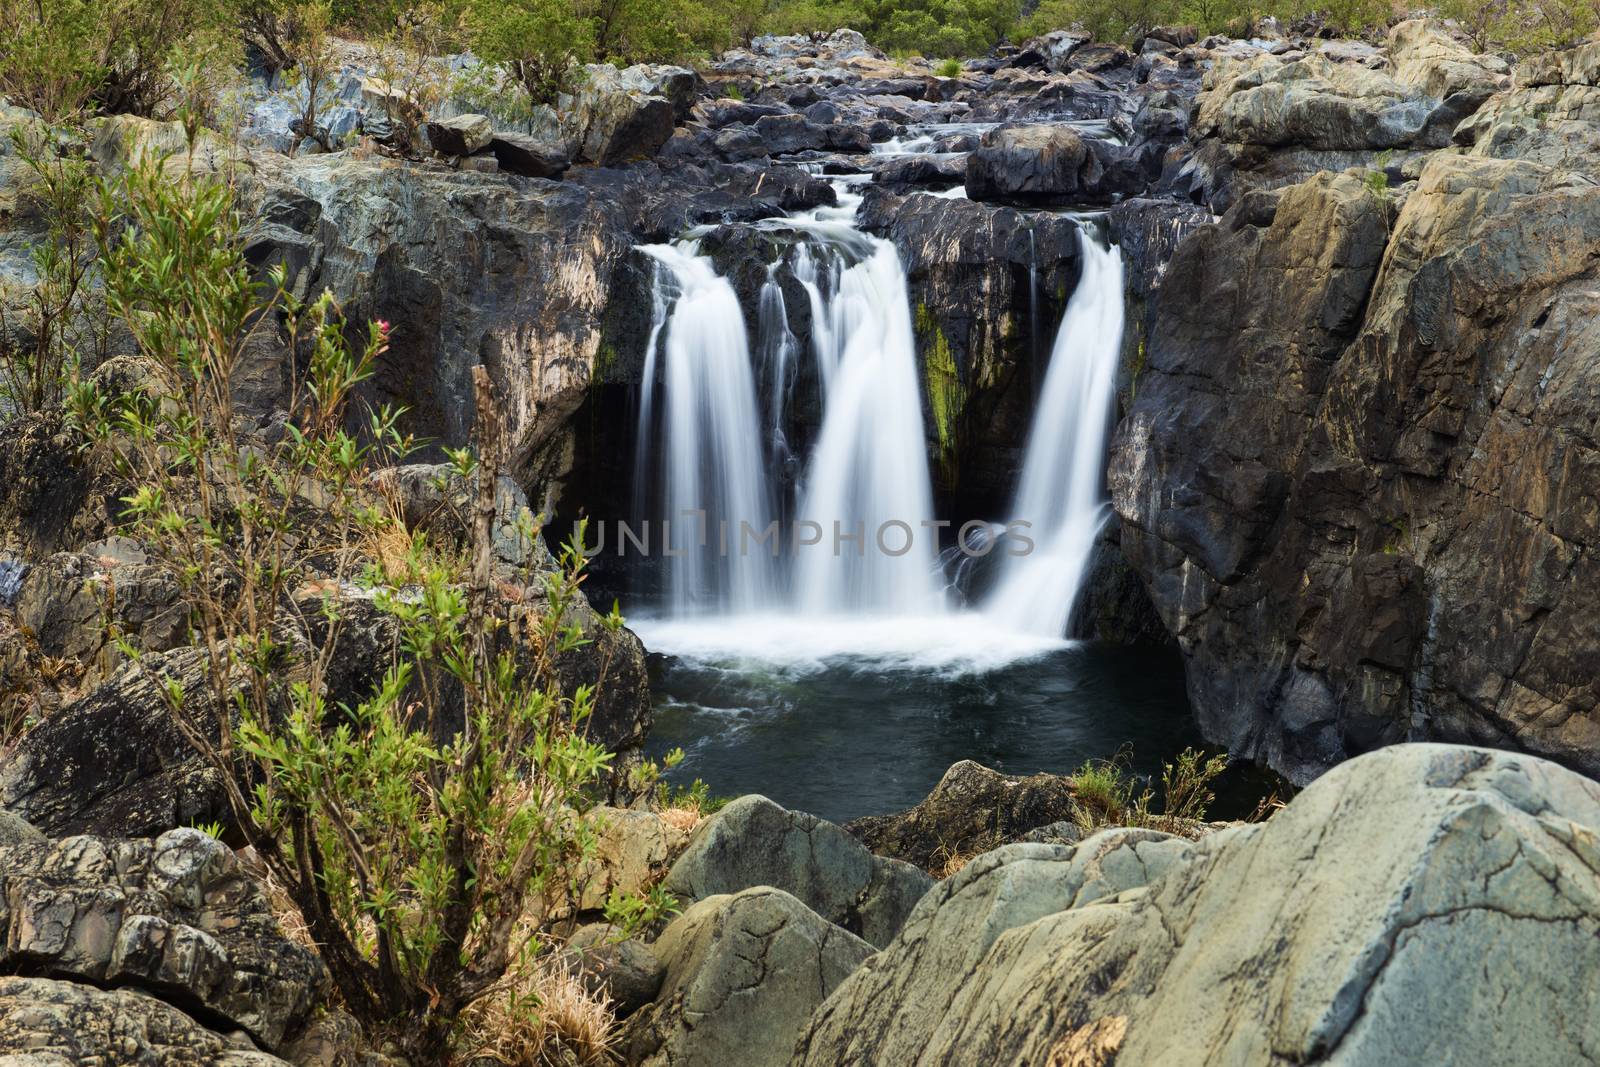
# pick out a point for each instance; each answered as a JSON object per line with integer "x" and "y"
{"x": 540, "y": 1016}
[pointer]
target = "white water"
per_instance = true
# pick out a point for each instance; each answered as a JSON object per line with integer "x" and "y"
{"x": 1061, "y": 491}
{"x": 867, "y": 486}
{"x": 712, "y": 459}
{"x": 867, "y": 474}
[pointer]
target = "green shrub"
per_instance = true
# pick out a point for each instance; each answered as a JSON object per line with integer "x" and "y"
{"x": 815, "y": 18}
{"x": 431, "y": 833}
{"x": 1107, "y": 20}
{"x": 950, "y": 68}
{"x": 1105, "y": 793}
{"x": 541, "y": 44}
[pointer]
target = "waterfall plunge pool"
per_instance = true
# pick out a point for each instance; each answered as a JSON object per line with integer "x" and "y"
{"x": 850, "y": 716}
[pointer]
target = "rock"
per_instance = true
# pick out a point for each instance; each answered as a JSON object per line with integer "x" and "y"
{"x": 122, "y": 141}
{"x": 1032, "y": 163}
{"x": 787, "y": 134}
{"x": 462, "y": 135}
{"x": 112, "y": 762}
{"x": 754, "y": 842}
{"x": 64, "y": 1023}
{"x": 68, "y": 600}
{"x": 634, "y": 852}
{"x": 614, "y": 121}
{"x": 1314, "y": 102}
{"x": 621, "y": 969}
{"x": 744, "y": 973}
{"x": 1425, "y": 56}
{"x": 176, "y": 916}
{"x": 973, "y": 809}
{"x": 1548, "y": 116}
{"x": 1367, "y": 923}
{"x": 677, "y": 84}
{"x": 1351, "y": 482}
{"x": 895, "y": 1006}
{"x": 1098, "y": 58}
{"x": 529, "y": 156}
{"x": 434, "y": 498}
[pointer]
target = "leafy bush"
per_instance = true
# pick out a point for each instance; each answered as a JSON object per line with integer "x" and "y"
{"x": 431, "y": 833}
{"x": 815, "y": 18}
{"x": 1106, "y": 794}
{"x": 541, "y": 44}
{"x": 950, "y": 68}
{"x": 1524, "y": 26}
{"x": 62, "y": 56}
{"x": 1107, "y": 20}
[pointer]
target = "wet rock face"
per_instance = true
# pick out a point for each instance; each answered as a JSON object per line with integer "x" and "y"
{"x": 1355, "y": 477}
{"x": 1366, "y": 924}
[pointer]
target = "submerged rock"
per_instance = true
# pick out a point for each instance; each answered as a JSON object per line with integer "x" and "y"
{"x": 1369, "y": 923}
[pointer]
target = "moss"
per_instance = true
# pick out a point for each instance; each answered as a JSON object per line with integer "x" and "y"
{"x": 946, "y": 395}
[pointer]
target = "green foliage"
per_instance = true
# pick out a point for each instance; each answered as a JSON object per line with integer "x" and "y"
{"x": 432, "y": 832}
{"x": 1107, "y": 20}
{"x": 1107, "y": 794}
{"x": 634, "y": 915}
{"x": 949, "y": 68}
{"x": 815, "y": 18}
{"x": 40, "y": 355}
{"x": 64, "y": 56}
{"x": 541, "y": 44}
{"x": 1376, "y": 177}
{"x": 1524, "y": 27}
{"x": 1355, "y": 16}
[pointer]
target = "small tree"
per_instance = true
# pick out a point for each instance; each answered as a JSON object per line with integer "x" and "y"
{"x": 429, "y": 832}
{"x": 39, "y": 355}
{"x": 541, "y": 44}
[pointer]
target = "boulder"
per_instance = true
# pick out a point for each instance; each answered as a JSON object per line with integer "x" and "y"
{"x": 529, "y": 156}
{"x": 1425, "y": 56}
{"x": 754, "y": 842}
{"x": 624, "y": 971}
{"x": 461, "y": 135}
{"x": 614, "y": 121}
{"x": 787, "y": 134}
{"x": 1551, "y": 115}
{"x": 1032, "y": 163}
{"x": 973, "y": 809}
{"x": 634, "y": 851}
{"x": 176, "y": 916}
{"x": 113, "y": 762}
{"x": 51, "y": 1023}
{"x": 744, "y": 973}
{"x": 1369, "y": 923}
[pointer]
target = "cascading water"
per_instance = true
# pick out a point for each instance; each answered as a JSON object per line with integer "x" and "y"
{"x": 778, "y": 349}
{"x": 1061, "y": 493}
{"x": 867, "y": 488}
{"x": 712, "y": 465}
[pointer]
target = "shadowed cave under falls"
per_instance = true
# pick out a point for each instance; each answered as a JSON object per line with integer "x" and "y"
{"x": 819, "y": 632}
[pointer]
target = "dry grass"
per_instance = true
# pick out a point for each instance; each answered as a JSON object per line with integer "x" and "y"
{"x": 682, "y": 818}
{"x": 540, "y": 1016}
{"x": 290, "y": 921}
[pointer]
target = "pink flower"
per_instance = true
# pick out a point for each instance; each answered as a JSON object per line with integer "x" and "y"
{"x": 383, "y": 327}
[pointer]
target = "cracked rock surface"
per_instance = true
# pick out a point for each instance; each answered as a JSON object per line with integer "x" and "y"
{"x": 744, "y": 973}
{"x": 754, "y": 842}
{"x": 1422, "y": 904}
{"x": 176, "y": 917}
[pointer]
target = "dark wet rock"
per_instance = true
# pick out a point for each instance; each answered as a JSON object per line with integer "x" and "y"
{"x": 787, "y": 134}
{"x": 1098, "y": 58}
{"x": 973, "y": 809}
{"x": 754, "y": 842}
{"x": 898, "y": 174}
{"x": 1053, "y": 164}
{"x": 1365, "y": 924}
{"x": 1352, "y": 561}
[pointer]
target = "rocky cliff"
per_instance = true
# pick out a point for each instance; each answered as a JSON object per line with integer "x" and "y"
{"x": 1358, "y": 477}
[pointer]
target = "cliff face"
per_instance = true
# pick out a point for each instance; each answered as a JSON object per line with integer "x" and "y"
{"x": 1359, "y": 476}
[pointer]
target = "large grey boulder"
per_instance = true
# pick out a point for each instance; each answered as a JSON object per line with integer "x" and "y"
{"x": 614, "y": 121}
{"x": 1031, "y": 163}
{"x": 754, "y": 842}
{"x": 744, "y": 973}
{"x": 1422, "y": 904}
{"x": 1550, "y": 116}
{"x": 460, "y": 135}
{"x": 50, "y": 1023}
{"x": 176, "y": 916}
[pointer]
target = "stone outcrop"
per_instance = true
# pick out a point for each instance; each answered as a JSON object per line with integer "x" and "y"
{"x": 754, "y": 842}
{"x": 50, "y": 1023}
{"x": 176, "y": 916}
{"x": 972, "y": 809}
{"x": 1315, "y": 478}
{"x": 744, "y": 973}
{"x": 1373, "y": 921}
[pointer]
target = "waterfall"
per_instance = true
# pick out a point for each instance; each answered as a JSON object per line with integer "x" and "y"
{"x": 867, "y": 488}
{"x": 778, "y": 347}
{"x": 1061, "y": 493}
{"x": 712, "y": 464}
